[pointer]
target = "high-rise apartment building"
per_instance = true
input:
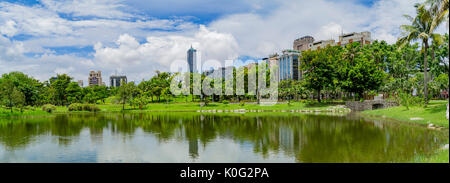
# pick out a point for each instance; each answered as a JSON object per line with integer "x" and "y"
{"x": 95, "y": 78}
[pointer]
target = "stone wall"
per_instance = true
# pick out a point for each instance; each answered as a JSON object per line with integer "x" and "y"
{"x": 369, "y": 105}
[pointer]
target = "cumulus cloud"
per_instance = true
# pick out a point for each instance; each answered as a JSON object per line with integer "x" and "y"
{"x": 10, "y": 50}
{"x": 261, "y": 34}
{"x": 158, "y": 52}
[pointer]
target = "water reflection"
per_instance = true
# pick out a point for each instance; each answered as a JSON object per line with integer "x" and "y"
{"x": 185, "y": 137}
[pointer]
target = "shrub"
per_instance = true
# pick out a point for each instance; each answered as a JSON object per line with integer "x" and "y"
{"x": 91, "y": 108}
{"x": 242, "y": 103}
{"x": 75, "y": 107}
{"x": 408, "y": 100}
{"x": 225, "y": 102}
{"x": 83, "y": 107}
{"x": 49, "y": 108}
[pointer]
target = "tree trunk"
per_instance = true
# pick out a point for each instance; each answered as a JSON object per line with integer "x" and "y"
{"x": 425, "y": 72}
{"x": 318, "y": 95}
{"x": 123, "y": 105}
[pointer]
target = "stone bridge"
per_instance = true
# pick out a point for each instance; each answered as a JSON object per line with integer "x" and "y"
{"x": 369, "y": 105}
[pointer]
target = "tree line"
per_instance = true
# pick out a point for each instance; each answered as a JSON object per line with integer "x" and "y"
{"x": 417, "y": 64}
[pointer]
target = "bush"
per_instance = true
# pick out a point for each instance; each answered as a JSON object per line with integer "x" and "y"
{"x": 49, "y": 108}
{"x": 75, "y": 107}
{"x": 83, "y": 107}
{"x": 242, "y": 103}
{"x": 225, "y": 102}
{"x": 408, "y": 100}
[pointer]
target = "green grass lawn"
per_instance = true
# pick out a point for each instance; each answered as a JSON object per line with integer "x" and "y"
{"x": 30, "y": 111}
{"x": 193, "y": 107}
{"x": 180, "y": 107}
{"x": 434, "y": 113}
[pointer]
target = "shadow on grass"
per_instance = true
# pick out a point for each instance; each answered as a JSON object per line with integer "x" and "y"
{"x": 436, "y": 108}
{"x": 322, "y": 104}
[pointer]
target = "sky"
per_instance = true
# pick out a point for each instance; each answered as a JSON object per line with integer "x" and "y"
{"x": 43, "y": 38}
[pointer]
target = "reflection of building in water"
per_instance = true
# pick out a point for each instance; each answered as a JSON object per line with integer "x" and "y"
{"x": 96, "y": 135}
{"x": 193, "y": 148}
{"x": 286, "y": 138}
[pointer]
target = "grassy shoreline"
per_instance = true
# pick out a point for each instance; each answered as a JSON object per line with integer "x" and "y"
{"x": 434, "y": 113}
{"x": 190, "y": 107}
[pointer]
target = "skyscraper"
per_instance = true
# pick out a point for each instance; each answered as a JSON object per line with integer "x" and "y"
{"x": 192, "y": 60}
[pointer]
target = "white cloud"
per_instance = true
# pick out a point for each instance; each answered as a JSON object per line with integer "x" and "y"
{"x": 261, "y": 34}
{"x": 10, "y": 50}
{"x": 97, "y": 8}
{"x": 160, "y": 51}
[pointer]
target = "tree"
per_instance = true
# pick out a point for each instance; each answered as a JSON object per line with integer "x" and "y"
{"x": 440, "y": 12}
{"x": 10, "y": 95}
{"x": 19, "y": 99}
{"x": 320, "y": 66}
{"x": 125, "y": 92}
{"x": 74, "y": 93}
{"x": 420, "y": 29}
{"x": 29, "y": 86}
{"x": 360, "y": 73}
{"x": 60, "y": 84}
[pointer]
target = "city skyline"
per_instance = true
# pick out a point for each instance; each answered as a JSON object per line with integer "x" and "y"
{"x": 137, "y": 39}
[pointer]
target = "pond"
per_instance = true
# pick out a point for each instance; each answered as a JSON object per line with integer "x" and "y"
{"x": 224, "y": 137}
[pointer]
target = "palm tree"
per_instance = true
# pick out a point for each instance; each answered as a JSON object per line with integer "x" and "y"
{"x": 420, "y": 29}
{"x": 440, "y": 12}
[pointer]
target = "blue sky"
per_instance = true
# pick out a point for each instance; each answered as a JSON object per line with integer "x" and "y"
{"x": 135, "y": 37}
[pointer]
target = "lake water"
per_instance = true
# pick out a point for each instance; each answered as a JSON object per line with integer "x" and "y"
{"x": 191, "y": 137}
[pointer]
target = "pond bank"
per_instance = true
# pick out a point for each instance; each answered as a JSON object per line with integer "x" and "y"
{"x": 433, "y": 117}
{"x": 298, "y": 107}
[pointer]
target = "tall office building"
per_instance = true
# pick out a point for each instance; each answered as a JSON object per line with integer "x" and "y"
{"x": 95, "y": 78}
{"x": 289, "y": 65}
{"x": 116, "y": 81}
{"x": 192, "y": 60}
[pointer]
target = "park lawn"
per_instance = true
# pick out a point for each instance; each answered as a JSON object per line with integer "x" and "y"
{"x": 193, "y": 107}
{"x": 434, "y": 113}
{"x": 178, "y": 107}
{"x": 30, "y": 111}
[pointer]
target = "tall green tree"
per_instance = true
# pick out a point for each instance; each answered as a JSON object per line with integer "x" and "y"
{"x": 29, "y": 86}
{"x": 320, "y": 67}
{"x": 10, "y": 95}
{"x": 74, "y": 93}
{"x": 125, "y": 93}
{"x": 60, "y": 84}
{"x": 360, "y": 73}
{"x": 420, "y": 29}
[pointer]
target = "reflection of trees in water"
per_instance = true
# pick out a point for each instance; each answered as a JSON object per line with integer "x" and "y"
{"x": 307, "y": 138}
